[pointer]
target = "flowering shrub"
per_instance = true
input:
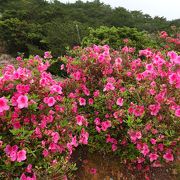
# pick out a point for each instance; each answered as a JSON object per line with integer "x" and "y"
{"x": 127, "y": 105}
{"x": 34, "y": 135}
{"x": 170, "y": 42}
{"x": 113, "y": 101}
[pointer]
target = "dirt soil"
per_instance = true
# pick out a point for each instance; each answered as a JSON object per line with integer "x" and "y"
{"x": 108, "y": 168}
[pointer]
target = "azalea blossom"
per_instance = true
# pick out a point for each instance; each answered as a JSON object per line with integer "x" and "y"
{"x": 50, "y": 101}
{"x": 109, "y": 86}
{"x": 119, "y": 101}
{"x": 177, "y": 112}
{"x": 82, "y": 101}
{"x": 93, "y": 171}
{"x": 168, "y": 157}
{"x": 47, "y": 55}
{"x": 80, "y": 120}
{"x": 105, "y": 125}
{"x": 21, "y": 155}
{"x": 153, "y": 156}
{"x": 84, "y": 137}
{"x": 55, "y": 137}
{"x": 3, "y": 104}
{"x": 22, "y": 101}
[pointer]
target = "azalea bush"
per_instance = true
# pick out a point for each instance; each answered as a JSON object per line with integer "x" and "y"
{"x": 35, "y": 138}
{"x": 128, "y": 103}
{"x": 170, "y": 42}
{"x": 119, "y": 102}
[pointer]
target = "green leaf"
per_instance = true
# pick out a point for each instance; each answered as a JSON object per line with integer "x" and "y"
{"x": 64, "y": 123}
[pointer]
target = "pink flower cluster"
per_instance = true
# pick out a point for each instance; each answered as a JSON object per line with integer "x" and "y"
{"x": 126, "y": 101}
{"x": 14, "y": 154}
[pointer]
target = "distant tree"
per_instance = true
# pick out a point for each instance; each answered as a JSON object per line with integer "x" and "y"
{"x": 37, "y": 25}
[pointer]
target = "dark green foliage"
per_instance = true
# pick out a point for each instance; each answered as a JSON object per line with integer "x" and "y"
{"x": 55, "y": 69}
{"x": 34, "y": 26}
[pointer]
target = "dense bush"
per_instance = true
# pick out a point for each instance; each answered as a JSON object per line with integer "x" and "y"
{"x": 119, "y": 37}
{"x": 128, "y": 105}
{"x": 34, "y": 135}
{"x": 113, "y": 101}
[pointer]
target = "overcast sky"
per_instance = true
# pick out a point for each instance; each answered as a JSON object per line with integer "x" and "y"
{"x": 167, "y": 8}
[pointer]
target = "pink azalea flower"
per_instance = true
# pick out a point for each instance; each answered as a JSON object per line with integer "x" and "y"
{"x": 3, "y": 104}
{"x": 45, "y": 153}
{"x": 22, "y": 101}
{"x": 114, "y": 147}
{"x": 149, "y": 67}
{"x": 24, "y": 177}
{"x": 62, "y": 66}
{"x": 173, "y": 78}
{"x": 138, "y": 111}
{"x": 53, "y": 147}
{"x": 19, "y": 58}
{"x": 97, "y": 121}
{"x": 86, "y": 92}
{"x": 163, "y": 34}
{"x": 1, "y": 143}
{"x": 161, "y": 147}
{"x": 90, "y": 101}
{"x": 140, "y": 160}
{"x": 118, "y": 62}
{"x": 105, "y": 125}
{"x": 84, "y": 137}
{"x": 154, "y": 108}
{"x": 156, "y": 164}
{"x": 119, "y": 101}
{"x": 153, "y": 157}
{"x": 153, "y": 141}
{"x": 70, "y": 148}
{"x": 74, "y": 141}
{"x": 10, "y": 149}
{"x": 98, "y": 129}
{"x": 21, "y": 155}
{"x": 29, "y": 168}
{"x": 47, "y": 55}
{"x": 23, "y": 88}
{"x": 125, "y": 49}
{"x": 55, "y": 137}
{"x": 138, "y": 135}
{"x": 139, "y": 77}
{"x": 134, "y": 135}
{"x": 82, "y": 101}
{"x": 96, "y": 93}
{"x": 109, "y": 86}
{"x": 80, "y": 120}
{"x": 56, "y": 88}
{"x": 177, "y": 112}
{"x": 101, "y": 58}
{"x": 50, "y": 101}
{"x": 13, "y": 155}
{"x": 143, "y": 148}
{"x": 77, "y": 75}
{"x": 93, "y": 171}
{"x": 168, "y": 157}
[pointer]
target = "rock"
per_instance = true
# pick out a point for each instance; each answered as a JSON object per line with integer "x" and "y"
{"x": 6, "y": 59}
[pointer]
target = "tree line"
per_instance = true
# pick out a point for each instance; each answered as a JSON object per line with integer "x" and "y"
{"x": 33, "y": 26}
